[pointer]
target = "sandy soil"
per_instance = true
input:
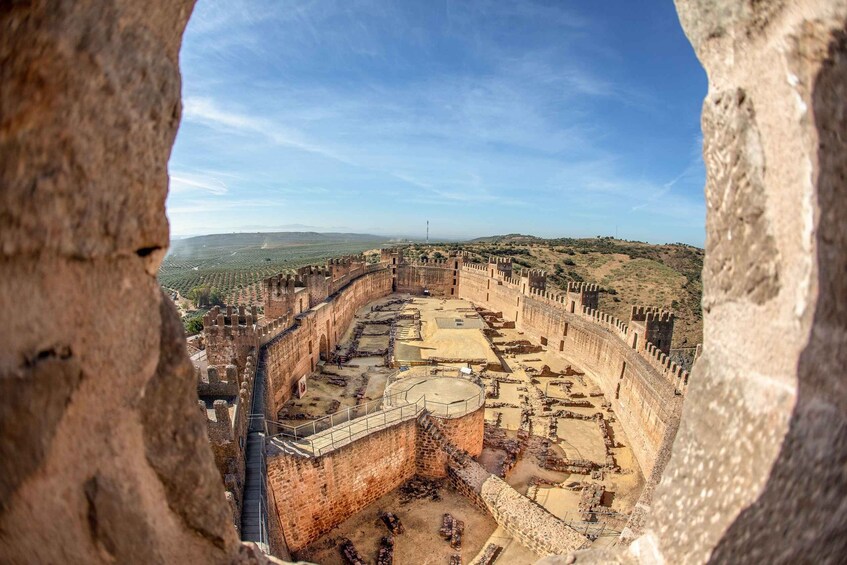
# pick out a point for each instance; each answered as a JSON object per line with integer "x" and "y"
{"x": 441, "y": 336}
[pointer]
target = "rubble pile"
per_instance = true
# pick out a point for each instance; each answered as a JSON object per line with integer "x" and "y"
{"x": 490, "y": 555}
{"x": 386, "y": 551}
{"x": 574, "y": 466}
{"x": 418, "y": 488}
{"x": 591, "y": 498}
{"x": 393, "y": 523}
{"x": 501, "y": 405}
{"x": 349, "y": 553}
{"x": 496, "y": 438}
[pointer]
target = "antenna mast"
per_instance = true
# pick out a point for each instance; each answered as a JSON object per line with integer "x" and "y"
{"x": 427, "y": 232}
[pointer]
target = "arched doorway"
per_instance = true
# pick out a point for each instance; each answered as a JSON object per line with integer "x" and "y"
{"x": 324, "y": 348}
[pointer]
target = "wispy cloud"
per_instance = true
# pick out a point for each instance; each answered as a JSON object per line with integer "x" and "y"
{"x": 188, "y": 182}
{"x": 483, "y": 113}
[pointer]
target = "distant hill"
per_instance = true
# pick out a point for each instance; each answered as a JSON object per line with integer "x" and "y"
{"x": 229, "y": 242}
{"x": 516, "y": 238}
{"x": 629, "y": 272}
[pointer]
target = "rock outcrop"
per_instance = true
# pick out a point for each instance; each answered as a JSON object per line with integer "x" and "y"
{"x": 103, "y": 456}
{"x": 757, "y": 471}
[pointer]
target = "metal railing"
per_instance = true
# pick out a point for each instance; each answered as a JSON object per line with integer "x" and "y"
{"x": 341, "y": 428}
{"x": 453, "y": 409}
{"x": 350, "y": 430}
{"x": 335, "y": 419}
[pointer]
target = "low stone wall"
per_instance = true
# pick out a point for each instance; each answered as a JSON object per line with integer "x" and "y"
{"x": 528, "y": 522}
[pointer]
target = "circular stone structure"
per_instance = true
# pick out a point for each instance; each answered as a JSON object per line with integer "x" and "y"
{"x": 443, "y": 397}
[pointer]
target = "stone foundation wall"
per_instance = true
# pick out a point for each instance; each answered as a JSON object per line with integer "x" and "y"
{"x": 313, "y": 495}
{"x": 465, "y": 433}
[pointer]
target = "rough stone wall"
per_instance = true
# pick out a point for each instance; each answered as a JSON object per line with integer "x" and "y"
{"x": 104, "y": 456}
{"x": 296, "y": 351}
{"x": 466, "y": 433}
{"x": 527, "y": 521}
{"x": 758, "y": 464}
{"x": 313, "y": 495}
{"x": 440, "y": 278}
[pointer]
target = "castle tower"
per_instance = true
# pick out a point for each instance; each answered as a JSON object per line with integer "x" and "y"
{"x": 651, "y": 325}
{"x": 583, "y": 295}
{"x": 230, "y": 334}
{"x": 279, "y": 296}
{"x": 534, "y": 279}
{"x": 391, "y": 256}
{"x": 317, "y": 282}
{"x": 501, "y": 266}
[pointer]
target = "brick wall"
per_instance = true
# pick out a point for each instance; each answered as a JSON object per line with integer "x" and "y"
{"x": 313, "y": 495}
{"x": 439, "y": 278}
{"x": 465, "y": 433}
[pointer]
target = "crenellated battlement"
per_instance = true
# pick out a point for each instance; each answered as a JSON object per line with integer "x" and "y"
{"x": 230, "y": 316}
{"x": 443, "y": 263}
{"x": 346, "y": 260}
{"x": 313, "y": 271}
{"x": 582, "y": 287}
{"x": 283, "y": 283}
{"x": 230, "y": 334}
{"x": 672, "y": 372}
{"x": 391, "y": 256}
{"x": 217, "y": 380}
{"x": 650, "y": 314}
{"x": 536, "y": 278}
{"x": 654, "y": 325}
{"x": 477, "y": 266}
{"x": 225, "y": 405}
{"x": 503, "y": 266}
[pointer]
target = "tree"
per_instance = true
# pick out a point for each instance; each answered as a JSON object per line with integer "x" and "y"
{"x": 205, "y": 296}
{"x": 193, "y": 325}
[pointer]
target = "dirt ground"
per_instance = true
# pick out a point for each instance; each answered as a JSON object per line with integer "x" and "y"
{"x": 420, "y": 544}
{"x": 449, "y": 329}
{"x": 575, "y": 439}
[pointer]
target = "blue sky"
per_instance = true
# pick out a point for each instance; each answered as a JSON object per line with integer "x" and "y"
{"x": 560, "y": 118}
